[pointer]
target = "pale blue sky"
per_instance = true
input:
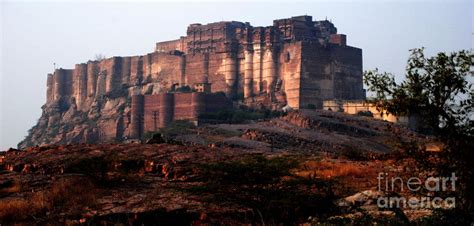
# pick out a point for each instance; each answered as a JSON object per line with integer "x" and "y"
{"x": 34, "y": 35}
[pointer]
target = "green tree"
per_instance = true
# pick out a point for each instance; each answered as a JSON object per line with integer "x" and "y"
{"x": 436, "y": 90}
{"x": 437, "y": 93}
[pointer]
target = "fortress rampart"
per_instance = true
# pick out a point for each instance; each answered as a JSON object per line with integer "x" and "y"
{"x": 295, "y": 62}
{"x": 305, "y": 60}
{"x": 151, "y": 112}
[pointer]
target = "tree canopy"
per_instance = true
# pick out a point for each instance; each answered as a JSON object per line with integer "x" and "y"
{"x": 438, "y": 92}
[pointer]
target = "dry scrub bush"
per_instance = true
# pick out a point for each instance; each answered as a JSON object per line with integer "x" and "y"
{"x": 327, "y": 169}
{"x": 67, "y": 195}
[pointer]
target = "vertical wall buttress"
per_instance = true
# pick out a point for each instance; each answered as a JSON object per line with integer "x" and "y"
{"x": 166, "y": 109}
{"x": 198, "y": 104}
{"x": 230, "y": 63}
{"x": 50, "y": 88}
{"x": 80, "y": 84}
{"x": 136, "y": 127}
{"x": 248, "y": 74}
{"x": 269, "y": 75}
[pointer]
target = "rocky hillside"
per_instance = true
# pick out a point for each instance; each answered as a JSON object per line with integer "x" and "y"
{"x": 305, "y": 167}
{"x": 62, "y": 122}
{"x": 91, "y": 102}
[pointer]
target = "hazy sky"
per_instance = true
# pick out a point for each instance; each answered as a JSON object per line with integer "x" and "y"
{"x": 34, "y": 35}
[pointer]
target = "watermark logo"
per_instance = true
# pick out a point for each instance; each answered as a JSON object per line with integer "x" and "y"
{"x": 390, "y": 184}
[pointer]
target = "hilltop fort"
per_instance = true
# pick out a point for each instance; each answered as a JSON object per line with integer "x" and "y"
{"x": 295, "y": 63}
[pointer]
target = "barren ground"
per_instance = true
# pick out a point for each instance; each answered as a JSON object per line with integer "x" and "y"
{"x": 293, "y": 169}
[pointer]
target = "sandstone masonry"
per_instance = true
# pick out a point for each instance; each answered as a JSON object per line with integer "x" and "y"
{"x": 296, "y": 62}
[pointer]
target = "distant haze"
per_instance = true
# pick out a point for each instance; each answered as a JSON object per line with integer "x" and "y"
{"x": 36, "y": 35}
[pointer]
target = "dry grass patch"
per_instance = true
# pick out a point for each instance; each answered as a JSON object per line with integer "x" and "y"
{"x": 331, "y": 169}
{"x": 21, "y": 209}
{"x": 65, "y": 195}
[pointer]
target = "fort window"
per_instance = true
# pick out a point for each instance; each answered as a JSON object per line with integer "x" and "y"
{"x": 202, "y": 87}
{"x": 287, "y": 57}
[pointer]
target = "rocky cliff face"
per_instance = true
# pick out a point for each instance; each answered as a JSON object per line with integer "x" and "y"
{"x": 91, "y": 102}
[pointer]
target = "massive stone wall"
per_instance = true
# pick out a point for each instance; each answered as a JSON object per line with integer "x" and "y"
{"x": 290, "y": 72}
{"x": 168, "y": 46}
{"x": 304, "y": 60}
{"x": 330, "y": 72}
{"x": 296, "y": 62}
{"x": 347, "y": 71}
{"x": 316, "y": 74}
{"x": 151, "y": 112}
{"x": 236, "y": 59}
